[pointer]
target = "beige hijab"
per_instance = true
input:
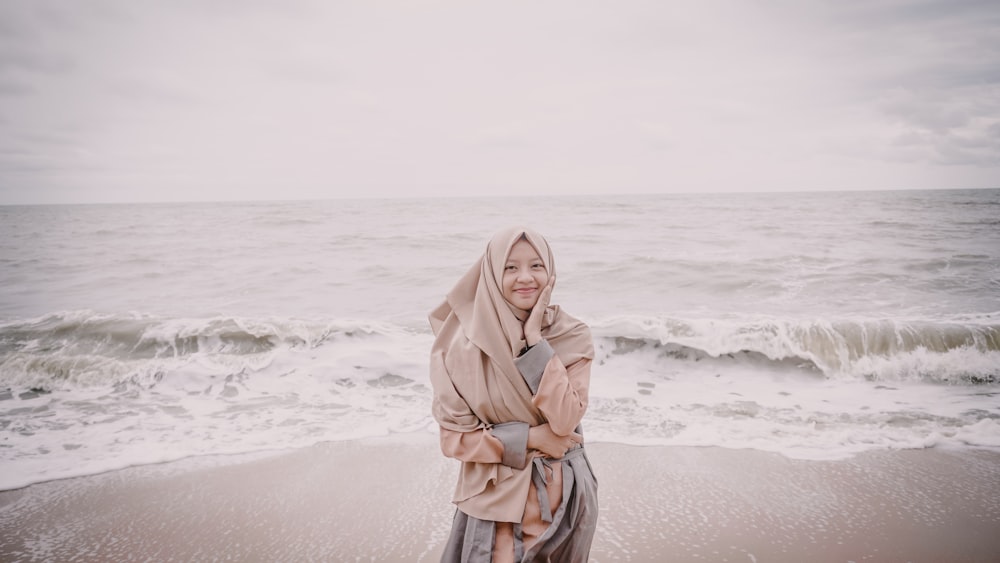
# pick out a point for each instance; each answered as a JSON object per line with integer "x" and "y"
{"x": 476, "y": 383}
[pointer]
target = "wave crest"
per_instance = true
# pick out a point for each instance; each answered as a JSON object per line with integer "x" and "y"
{"x": 957, "y": 352}
{"x": 88, "y": 348}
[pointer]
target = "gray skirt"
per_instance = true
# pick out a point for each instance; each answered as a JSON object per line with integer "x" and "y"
{"x": 570, "y": 532}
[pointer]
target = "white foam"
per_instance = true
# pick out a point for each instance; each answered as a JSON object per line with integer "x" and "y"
{"x": 352, "y": 387}
{"x": 375, "y": 383}
{"x": 985, "y": 433}
{"x": 641, "y": 398}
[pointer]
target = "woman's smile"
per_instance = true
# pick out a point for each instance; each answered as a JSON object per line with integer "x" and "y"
{"x": 524, "y": 275}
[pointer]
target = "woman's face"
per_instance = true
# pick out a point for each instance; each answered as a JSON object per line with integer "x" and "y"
{"x": 524, "y": 276}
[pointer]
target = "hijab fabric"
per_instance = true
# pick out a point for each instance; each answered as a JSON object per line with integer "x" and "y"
{"x": 476, "y": 383}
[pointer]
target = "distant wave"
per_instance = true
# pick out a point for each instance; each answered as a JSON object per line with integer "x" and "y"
{"x": 954, "y": 352}
{"x": 89, "y": 348}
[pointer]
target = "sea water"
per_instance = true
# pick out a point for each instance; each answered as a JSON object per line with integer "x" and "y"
{"x": 817, "y": 325}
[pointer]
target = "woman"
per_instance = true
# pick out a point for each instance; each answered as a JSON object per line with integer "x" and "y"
{"x": 511, "y": 375}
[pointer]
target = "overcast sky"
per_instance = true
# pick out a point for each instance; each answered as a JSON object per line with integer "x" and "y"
{"x": 106, "y": 101}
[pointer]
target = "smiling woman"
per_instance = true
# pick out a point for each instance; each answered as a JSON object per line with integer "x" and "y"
{"x": 511, "y": 376}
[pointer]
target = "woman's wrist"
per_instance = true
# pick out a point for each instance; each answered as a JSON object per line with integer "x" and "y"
{"x": 532, "y": 339}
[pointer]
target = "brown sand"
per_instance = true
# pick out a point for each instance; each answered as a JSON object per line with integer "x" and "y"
{"x": 387, "y": 500}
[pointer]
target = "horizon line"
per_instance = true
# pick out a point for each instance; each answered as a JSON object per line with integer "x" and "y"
{"x": 479, "y": 196}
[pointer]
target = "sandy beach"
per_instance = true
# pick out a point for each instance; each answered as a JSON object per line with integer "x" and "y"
{"x": 387, "y": 500}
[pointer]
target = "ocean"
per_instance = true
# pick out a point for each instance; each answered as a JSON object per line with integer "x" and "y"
{"x": 814, "y": 325}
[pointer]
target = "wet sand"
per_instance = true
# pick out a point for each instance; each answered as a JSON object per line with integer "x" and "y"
{"x": 387, "y": 500}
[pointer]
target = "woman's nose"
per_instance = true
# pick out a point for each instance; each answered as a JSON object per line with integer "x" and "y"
{"x": 524, "y": 275}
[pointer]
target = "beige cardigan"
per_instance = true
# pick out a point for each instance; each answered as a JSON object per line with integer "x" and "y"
{"x": 559, "y": 397}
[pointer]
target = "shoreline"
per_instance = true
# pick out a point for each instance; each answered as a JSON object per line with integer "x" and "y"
{"x": 387, "y": 499}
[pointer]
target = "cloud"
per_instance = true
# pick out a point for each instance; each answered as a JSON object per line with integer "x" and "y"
{"x": 154, "y": 88}
{"x": 32, "y": 61}
{"x": 927, "y": 71}
{"x": 224, "y": 100}
{"x": 15, "y": 88}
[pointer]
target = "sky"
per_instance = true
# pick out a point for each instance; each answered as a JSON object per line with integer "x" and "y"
{"x": 189, "y": 100}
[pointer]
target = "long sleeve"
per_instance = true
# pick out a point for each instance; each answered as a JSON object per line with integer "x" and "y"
{"x": 505, "y": 443}
{"x": 477, "y": 446}
{"x": 561, "y": 393}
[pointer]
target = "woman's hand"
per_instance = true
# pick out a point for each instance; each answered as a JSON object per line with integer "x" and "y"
{"x": 533, "y": 326}
{"x": 543, "y": 439}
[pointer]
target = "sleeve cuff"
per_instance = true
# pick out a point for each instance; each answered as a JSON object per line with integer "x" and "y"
{"x": 514, "y": 436}
{"x": 532, "y": 363}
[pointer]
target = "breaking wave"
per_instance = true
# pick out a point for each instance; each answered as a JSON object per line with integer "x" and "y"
{"x": 88, "y": 348}
{"x": 954, "y": 352}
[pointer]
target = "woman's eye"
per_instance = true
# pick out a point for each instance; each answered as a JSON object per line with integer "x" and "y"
{"x": 510, "y": 268}
{"x": 537, "y": 266}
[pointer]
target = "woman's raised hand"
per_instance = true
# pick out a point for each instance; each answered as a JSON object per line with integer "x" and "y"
{"x": 533, "y": 326}
{"x": 543, "y": 439}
